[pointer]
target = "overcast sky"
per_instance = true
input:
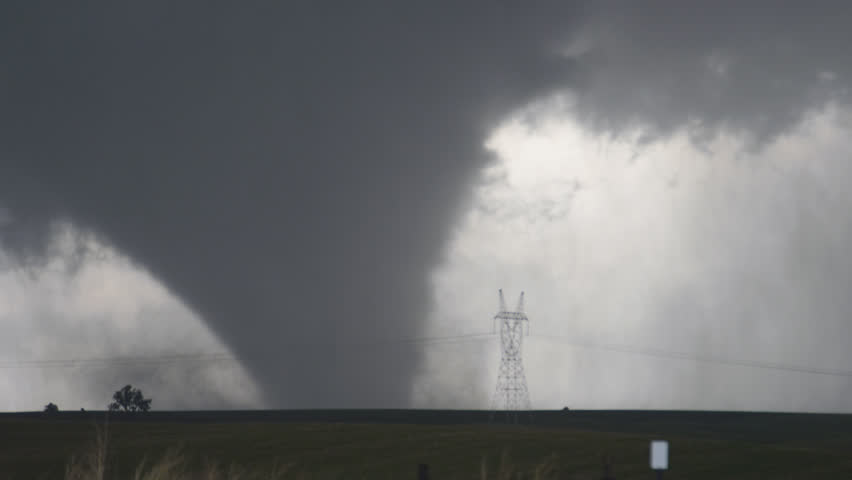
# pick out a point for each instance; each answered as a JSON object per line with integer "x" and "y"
{"x": 285, "y": 184}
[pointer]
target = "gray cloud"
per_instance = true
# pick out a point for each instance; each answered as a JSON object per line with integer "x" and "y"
{"x": 745, "y": 260}
{"x": 752, "y": 68}
{"x": 289, "y": 171}
{"x": 292, "y": 173}
{"x": 84, "y": 306}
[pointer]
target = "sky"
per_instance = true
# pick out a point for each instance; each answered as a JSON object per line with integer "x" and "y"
{"x": 297, "y": 189}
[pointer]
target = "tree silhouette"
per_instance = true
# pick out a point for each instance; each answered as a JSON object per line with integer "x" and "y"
{"x": 51, "y": 408}
{"x": 129, "y": 399}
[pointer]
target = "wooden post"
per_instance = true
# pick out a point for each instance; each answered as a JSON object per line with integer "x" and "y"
{"x": 423, "y": 472}
{"x": 607, "y": 468}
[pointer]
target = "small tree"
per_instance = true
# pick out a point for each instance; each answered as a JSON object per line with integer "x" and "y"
{"x": 51, "y": 408}
{"x": 129, "y": 399}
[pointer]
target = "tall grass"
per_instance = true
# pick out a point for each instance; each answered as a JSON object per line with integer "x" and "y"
{"x": 93, "y": 464}
{"x": 174, "y": 464}
{"x": 506, "y": 470}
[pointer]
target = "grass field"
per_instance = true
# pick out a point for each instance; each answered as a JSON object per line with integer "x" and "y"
{"x": 455, "y": 444}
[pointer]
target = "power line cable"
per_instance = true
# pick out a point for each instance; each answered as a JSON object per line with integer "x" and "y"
{"x": 424, "y": 341}
{"x": 224, "y": 356}
{"x": 669, "y": 354}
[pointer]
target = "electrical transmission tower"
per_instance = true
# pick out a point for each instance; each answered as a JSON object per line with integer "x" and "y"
{"x": 511, "y": 393}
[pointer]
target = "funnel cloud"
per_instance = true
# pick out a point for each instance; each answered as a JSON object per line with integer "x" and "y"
{"x": 289, "y": 171}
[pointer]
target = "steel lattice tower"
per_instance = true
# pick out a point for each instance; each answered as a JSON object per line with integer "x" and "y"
{"x": 511, "y": 393}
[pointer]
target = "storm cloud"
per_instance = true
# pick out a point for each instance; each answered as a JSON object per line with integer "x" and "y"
{"x": 690, "y": 193}
{"x": 750, "y": 68}
{"x": 289, "y": 171}
{"x": 293, "y": 173}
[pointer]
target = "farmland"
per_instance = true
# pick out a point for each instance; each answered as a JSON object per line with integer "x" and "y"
{"x": 455, "y": 444}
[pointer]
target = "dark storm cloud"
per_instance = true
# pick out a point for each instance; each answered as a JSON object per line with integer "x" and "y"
{"x": 291, "y": 172}
{"x": 751, "y": 68}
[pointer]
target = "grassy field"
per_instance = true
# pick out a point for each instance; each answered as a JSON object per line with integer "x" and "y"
{"x": 455, "y": 444}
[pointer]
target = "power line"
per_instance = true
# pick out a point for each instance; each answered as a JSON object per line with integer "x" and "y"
{"x": 429, "y": 340}
{"x": 124, "y": 360}
{"x": 224, "y": 356}
{"x": 669, "y": 354}
{"x": 423, "y": 341}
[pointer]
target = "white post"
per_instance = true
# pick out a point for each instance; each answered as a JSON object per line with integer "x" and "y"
{"x": 659, "y": 456}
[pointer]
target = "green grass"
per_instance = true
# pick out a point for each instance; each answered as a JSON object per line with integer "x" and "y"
{"x": 703, "y": 446}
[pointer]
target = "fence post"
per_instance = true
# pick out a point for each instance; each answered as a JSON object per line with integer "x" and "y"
{"x": 423, "y": 472}
{"x": 607, "y": 468}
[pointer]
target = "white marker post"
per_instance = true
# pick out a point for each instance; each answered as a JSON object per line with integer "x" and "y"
{"x": 660, "y": 456}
